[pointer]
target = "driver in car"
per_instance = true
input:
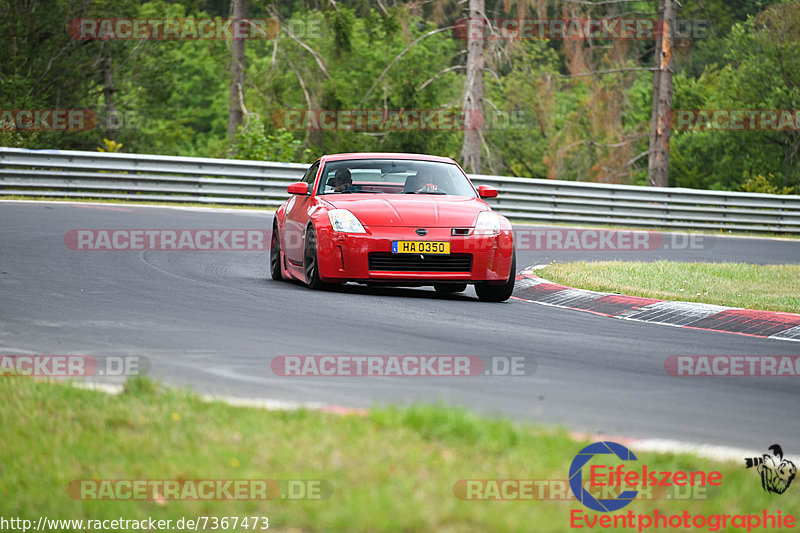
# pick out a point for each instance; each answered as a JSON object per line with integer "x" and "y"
{"x": 422, "y": 182}
{"x": 343, "y": 181}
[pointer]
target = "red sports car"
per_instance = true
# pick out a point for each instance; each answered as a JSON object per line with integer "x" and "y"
{"x": 392, "y": 219}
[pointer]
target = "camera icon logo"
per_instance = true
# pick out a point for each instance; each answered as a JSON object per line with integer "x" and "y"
{"x": 776, "y": 472}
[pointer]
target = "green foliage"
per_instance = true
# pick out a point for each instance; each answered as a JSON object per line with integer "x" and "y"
{"x": 255, "y": 143}
{"x": 342, "y": 22}
{"x": 454, "y": 425}
{"x": 544, "y": 116}
{"x": 761, "y": 71}
{"x": 765, "y": 184}
{"x": 141, "y": 386}
{"x": 525, "y": 93}
{"x": 110, "y": 146}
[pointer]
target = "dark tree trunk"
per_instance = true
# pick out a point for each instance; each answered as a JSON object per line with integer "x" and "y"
{"x": 658, "y": 167}
{"x": 473, "y": 93}
{"x": 111, "y": 122}
{"x": 235, "y": 114}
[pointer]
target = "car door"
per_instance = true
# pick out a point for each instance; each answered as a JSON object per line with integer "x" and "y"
{"x": 297, "y": 218}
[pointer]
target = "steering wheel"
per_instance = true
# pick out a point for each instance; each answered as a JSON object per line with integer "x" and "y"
{"x": 429, "y": 187}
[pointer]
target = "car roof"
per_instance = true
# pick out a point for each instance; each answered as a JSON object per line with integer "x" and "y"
{"x": 385, "y": 155}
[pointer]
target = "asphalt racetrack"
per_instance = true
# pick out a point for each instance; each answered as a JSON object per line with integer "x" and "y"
{"x": 213, "y": 320}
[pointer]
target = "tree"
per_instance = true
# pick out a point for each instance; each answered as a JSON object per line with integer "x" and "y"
{"x": 235, "y": 111}
{"x": 473, "y": 90}
{"x": 658, "y": 166}
{"x": 760, "y": 71}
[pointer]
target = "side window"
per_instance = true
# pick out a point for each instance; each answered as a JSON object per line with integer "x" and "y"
{"x": 310, "y": 175}
{"x": 323, "y": 182}
{"x": 327, "y": 174}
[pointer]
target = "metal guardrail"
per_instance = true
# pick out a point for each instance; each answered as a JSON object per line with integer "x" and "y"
{"x": 148, "y": 178}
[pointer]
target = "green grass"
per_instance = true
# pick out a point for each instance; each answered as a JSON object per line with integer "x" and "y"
{"x": 764, "y": 287}
{"x": 392, "y": 470}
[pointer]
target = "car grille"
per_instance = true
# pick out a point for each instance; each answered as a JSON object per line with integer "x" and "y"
{"x": 415, "y": 263}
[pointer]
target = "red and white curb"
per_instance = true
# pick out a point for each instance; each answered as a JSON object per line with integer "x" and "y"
{"x": 764, "y": 324}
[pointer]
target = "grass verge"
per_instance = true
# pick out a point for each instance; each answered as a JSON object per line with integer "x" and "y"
{"x": 764, "y": 287}
{"x": 392, "y": 470}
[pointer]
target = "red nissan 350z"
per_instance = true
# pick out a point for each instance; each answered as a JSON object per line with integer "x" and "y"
{"x": 393, "y": 219}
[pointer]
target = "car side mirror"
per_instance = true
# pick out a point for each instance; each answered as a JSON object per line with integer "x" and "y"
{"x": 485, "y": 191}
{"x": 300, "y": 187}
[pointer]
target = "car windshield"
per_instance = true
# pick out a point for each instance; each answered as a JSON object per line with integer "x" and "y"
{"x": 394, "y": 176}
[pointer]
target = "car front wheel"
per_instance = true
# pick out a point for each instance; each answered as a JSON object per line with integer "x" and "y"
{"x": 311, "y": 262}
{"x": 275, "y": 254}
{"x": 498, "y": 293}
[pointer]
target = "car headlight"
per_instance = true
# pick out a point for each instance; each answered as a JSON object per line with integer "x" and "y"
{"x": 344, "y": 221}
{"x": 488, "y": 223}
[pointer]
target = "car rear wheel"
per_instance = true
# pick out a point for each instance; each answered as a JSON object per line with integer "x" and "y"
{"x": 275, "y": 254}
{"x": 311, "y": 262}
{"x": 498, "y": 293}
{"x": 450, "y": 288}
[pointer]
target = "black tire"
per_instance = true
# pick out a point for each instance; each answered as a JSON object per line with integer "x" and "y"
{"x": 274, "y": 264}
{"x": 311, "y": 262}
{"x": 450, "y": 288}
{"x": 498, "y": 293}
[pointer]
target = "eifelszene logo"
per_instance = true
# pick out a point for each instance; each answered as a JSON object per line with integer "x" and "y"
{"x": 619, "y": 477}
{"x": 776, "y": 472}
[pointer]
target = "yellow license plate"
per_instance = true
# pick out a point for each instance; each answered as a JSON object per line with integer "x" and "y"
{"x": 420, "y": 247}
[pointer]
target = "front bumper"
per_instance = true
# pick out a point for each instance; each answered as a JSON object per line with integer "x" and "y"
{"x": 346, "y": 256}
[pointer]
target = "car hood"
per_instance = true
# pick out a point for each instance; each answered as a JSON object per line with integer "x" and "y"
{"x": 410, "y": 209}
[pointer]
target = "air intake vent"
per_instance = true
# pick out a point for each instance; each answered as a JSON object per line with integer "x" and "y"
{"x": 381, "y": 262}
